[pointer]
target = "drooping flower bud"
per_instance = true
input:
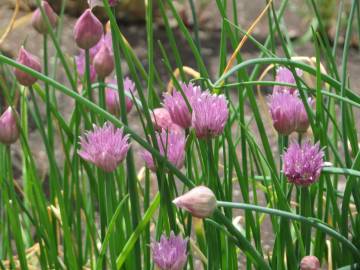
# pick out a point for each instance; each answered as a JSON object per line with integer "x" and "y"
{"x": 29, "y": 60}
{"x": 200, "y": 202}
{"x": 103, "y": 61}
{"x": 88, "y": 30}
{"x": 310, "y": 263}
{"x": 9, "y": 132}
{"x": 38, "y": 21}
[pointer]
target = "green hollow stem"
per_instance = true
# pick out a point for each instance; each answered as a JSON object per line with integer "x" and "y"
{"x": 307, "y": 220}
{"x": 305, "y": 210}
{"x": 88, "y": 79}
{"x": 102, "y": 206}
{"x": 47, "y": 95}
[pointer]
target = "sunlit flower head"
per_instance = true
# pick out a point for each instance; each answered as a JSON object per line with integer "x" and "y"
{"x": 176, "y": 104}
{"x": 210, "y": 114}
{"x": 106, "y": 146}
{"x": 170, "y": 253}
{"x": 302, "y": 164}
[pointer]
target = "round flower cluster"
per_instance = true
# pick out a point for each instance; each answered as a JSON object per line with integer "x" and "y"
{"x": 286, "y": 108}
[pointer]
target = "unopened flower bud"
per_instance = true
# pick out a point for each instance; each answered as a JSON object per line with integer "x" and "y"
{"x": 31, "y": 61}
{"x": 310, "y": 263}
{"x": 9, "y": 132}
{"x": 302, "y": 120}
{"x": 200, "y": 202}
{"x": 38, "y": 21}
{"x": 161, "y": 120}
{"x": 88, "y": 30}
{"x": 103, "y": 61}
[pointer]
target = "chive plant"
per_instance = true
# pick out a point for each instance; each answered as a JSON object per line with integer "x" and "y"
{"x": 171, "y": 196}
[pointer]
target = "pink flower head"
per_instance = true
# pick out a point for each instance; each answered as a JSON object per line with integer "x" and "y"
{"x": 310, "y": 263}
{"x": 106, "y": 146}
{"x": 210, "y": 114}
{"x": 171, "y": 145}
{"x": 284, "y": 75}
{"x": 112, "y": 97}
{"x": 170, "y": 253}
{"x": 88, "y": 30}
{"x": 37, "y": 20}
{"x": 303, "y": 163}
{"x": 103, "y": 61}
{"x": 283, "y": 107}
{"x": 302, "y": 121}
{"x": 29, "y": 60}
{"x": 200, "y": 202}
{"x": 177, "y": 107}
{"x": 9, "y": 131}
{"x": 161, "y": 120}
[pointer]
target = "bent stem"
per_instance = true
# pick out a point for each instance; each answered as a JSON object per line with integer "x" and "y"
{"x": 309, "y": 221}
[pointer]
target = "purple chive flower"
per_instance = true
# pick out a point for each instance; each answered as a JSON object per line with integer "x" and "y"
{"x": 88, "y": 30}
{"x": 170, "y": 253}
{"x": 106, "y": 146}
{"x": 210, "y": 114}
{"x": 171, "y": 145}
{"x": 283, "y": 107}
{"x": 29, "y": 60}
{"x": 177, "y": 107}
{"x": 303, "y": 163}
{"x": 39, "y": 23}
{"x": 302, "y": 121}
{"x": 9, "y": 131}
{"x": 284, "y": 75}
{"x": 112, "y": 96}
